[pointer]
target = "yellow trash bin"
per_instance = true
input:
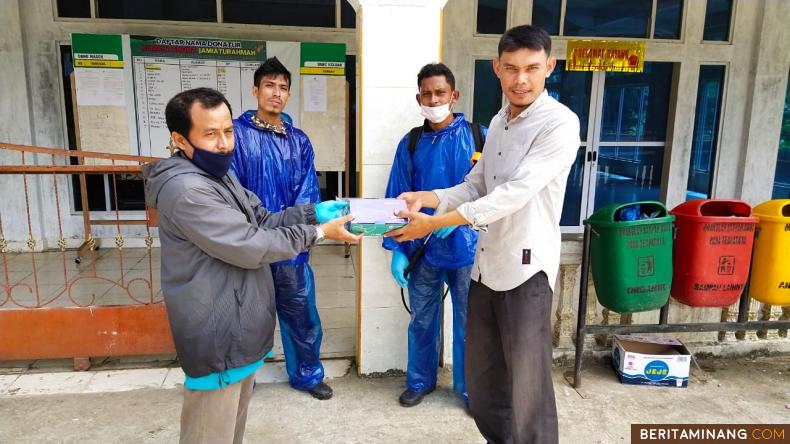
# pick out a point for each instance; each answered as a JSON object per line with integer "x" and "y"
{"x": 770, "y": 281}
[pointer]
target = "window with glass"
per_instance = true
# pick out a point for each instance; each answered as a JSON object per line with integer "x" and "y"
{"x": 348, "y": 16}
{"x": 610, "y": 18}
{"x": 320, "y": 13}
{"x": 633, "y": 120}
{"x": 176, "y": 10}
{"x": 710, "y": 92}
{"x": 623, "y": 127}
{"x": 306, "y": 13}
{"x": 718, "y": 14}
{"x": 572, "y": 89}
{"x": 782, "y": 175}
{"x": 491, "y": 16}
{"x": 669, "y": 14}
{"x": 487, "y": 94}
{"x": 546, "y": 14}
{"x": 74, "y": 8}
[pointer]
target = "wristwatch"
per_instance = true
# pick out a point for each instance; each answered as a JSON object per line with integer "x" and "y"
{"x": 319, "y": 234}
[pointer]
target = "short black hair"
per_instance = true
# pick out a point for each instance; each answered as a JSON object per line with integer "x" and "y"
{"x": 177, "y": 111}
{"x": 525, "y": 36}
{"x": 436, "y": 69}
{"x": 272, "y": 67}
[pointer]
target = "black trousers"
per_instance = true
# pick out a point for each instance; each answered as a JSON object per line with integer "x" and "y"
{"x": 508, "y": 363}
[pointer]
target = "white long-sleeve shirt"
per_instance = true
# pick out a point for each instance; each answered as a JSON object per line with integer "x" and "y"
{"x": 514, "y": 194}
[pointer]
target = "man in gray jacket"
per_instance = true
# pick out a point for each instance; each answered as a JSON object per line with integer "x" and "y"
{"x": 217, "y": 244}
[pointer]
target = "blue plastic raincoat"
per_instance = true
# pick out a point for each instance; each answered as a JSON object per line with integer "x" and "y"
{"x": 441, "y": 160}
{"x": 279, "y": 169}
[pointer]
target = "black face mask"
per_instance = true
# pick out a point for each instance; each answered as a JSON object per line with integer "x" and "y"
{"x": 216, "y": 164}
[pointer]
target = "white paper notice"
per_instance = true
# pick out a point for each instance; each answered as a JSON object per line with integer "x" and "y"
{"x": 314, "y": 94}
{"x": 100, "y": 87}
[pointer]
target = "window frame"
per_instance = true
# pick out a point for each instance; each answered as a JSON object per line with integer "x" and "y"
{"x": 733, "y": 14}
{"x": 651, "y": 24}
{"x": 220, "y": 20}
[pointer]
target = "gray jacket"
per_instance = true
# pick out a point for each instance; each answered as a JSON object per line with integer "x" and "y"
{"x": 217, "y": 241}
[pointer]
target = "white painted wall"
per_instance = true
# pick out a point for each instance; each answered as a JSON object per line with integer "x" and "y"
{"x": 397, "y": 37}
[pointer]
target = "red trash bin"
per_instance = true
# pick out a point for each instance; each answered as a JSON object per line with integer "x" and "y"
{"x": 712, "y": 251}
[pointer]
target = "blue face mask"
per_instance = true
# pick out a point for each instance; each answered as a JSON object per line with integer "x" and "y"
{"x": 216, "y": 164}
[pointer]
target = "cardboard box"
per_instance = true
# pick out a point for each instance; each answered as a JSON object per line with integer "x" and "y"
{"x": 374, "y": 217}
{"x": 645, "y": 360}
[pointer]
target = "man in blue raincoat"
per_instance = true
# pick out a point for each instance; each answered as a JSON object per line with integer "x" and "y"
{"x": 274, "y": 160}
{"x": 438, "y": 154}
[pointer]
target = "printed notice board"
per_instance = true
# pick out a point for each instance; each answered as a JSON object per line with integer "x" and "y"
{"x": 138, "y": 75}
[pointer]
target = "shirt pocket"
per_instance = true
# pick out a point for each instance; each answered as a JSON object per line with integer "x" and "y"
{"x": 508, "y": 160}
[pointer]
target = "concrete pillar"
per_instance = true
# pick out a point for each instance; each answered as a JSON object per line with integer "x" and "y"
{"x": 13, "y": 77}
{"x": 764, "y": 121}
{"x": 16, "y": 130}
{"x": 677, "y": 153}
{"x": 397, "y": 37}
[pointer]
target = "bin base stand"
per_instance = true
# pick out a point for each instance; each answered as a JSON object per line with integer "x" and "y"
{"x": 582, "y": 329}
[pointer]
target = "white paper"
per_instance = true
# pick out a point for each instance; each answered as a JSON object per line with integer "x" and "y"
{"x": 100, "y": 87}
{"x": 314, "y": 94}
{"x": 376, "y": 211}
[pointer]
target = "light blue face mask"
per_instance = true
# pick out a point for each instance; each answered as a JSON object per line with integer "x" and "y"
{"x": 216, "y": 164}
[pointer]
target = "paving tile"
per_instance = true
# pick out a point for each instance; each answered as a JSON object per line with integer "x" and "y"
{"x": 125, "y": 380}
{"x": 6, "y": 381}
{"x": 271, "y": 372}
{"x": 336, "y": 368}
{"x": 175, "y": 378}
{"x": 49, "y": 383}
{"x": 335, "y": 269}
{"x": 327, "y": 298}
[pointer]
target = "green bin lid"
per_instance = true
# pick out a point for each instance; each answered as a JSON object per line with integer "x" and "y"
{"x": 777, "y": 210}
{"x": 605, "y": 216}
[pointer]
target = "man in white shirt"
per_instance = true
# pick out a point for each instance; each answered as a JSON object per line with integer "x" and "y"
{"x": 514, "y": 196}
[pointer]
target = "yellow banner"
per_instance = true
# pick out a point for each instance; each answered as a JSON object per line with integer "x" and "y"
{"x": 99, "y": 63}
{"x": 323, "y": 71}
{"x": 605, "y": 55}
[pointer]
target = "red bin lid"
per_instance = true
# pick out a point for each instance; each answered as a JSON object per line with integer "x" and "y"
{"x": 718, "y": 210}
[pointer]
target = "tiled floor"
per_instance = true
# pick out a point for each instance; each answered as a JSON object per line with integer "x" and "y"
{"x": 131, "y": 276}
{"x": 103, "y": 381}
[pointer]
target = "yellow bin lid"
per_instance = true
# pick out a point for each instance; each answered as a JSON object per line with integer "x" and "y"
{"x": 777, "y": 210}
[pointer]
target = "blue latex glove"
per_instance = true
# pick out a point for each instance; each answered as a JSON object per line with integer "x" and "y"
{"x": 443, "y": 232}
{"x": 398, "y": 268}
{"x": 331, "y": 209}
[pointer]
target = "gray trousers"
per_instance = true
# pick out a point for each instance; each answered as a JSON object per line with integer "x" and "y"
{"x": 508, "y": 363}
{"x": 216, "y": 416}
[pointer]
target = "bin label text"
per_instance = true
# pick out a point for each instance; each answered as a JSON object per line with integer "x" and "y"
{"x": 645, "y": 243}
{"x": 728, "y": 226}
{"x": 718, "y": 287}
{"x": 727, "y": 240}
{"x": 644, "y": 229}
{"x": 655, "y": 288}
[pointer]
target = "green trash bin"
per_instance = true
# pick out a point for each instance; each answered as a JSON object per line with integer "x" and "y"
{"x": 631, "y": 260}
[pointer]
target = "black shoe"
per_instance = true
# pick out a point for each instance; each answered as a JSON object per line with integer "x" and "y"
{"x": 321, "y": 391}
{"x": 410, "y": 398}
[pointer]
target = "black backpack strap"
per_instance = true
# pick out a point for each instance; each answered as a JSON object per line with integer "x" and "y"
{"x": 414, "y": 137}
{"x": 477, "y": 135}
